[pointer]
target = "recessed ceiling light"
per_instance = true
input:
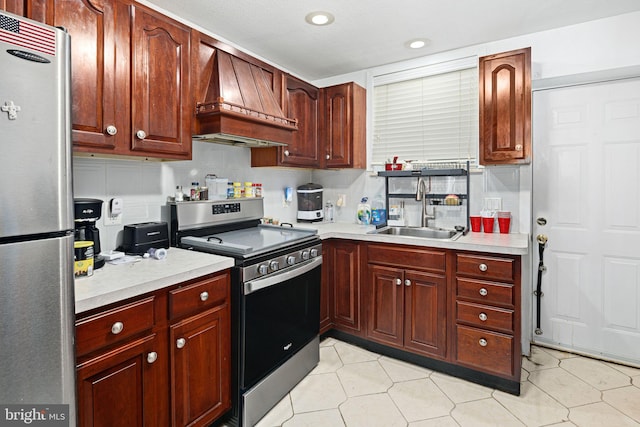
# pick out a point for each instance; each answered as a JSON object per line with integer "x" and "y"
{"x": 319, "y": 18}
{"x": 417, "y": 43}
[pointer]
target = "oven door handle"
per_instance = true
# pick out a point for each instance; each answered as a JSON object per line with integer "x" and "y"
{"x": 256, "y": 285}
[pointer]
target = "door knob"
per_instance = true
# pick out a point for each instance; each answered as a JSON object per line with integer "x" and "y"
{"x": 542, "y": 239}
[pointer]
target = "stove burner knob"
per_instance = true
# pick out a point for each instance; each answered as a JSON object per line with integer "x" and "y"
{"x": 274, "y": 265}
{"x": 314, "y": 253}
{"x": 263, "y": 269}
{"x": 291, "y": 260}
{"x": 305, "y": 255}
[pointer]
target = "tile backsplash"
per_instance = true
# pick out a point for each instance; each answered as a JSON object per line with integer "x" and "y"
{"x": 145, "y": 185}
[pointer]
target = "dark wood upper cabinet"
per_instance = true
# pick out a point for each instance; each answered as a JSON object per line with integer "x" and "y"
{"x": 17, "y": 7}
{"x": 303, "y": 103}
{"x": 161, "y": 108}
{"x": 130, "y": 78}
{"x": 505, "y": 108}
{"x": 344, "y": 128}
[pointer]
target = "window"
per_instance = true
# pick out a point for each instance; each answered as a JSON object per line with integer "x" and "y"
{"x": 428, "y": 114}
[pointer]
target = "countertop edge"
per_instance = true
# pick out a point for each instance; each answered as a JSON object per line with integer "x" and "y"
{"x": 115, "y": 287}
{"x": 508, "y": 244}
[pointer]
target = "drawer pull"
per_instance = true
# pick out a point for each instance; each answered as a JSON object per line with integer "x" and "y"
{"x": 482, "y": 342}
{"x": 117, "y": 328}
{"x": 483, "y": 317}
{"x": 483, "y": 267}
{"x": 398, "y": 282}
{"x": 152, "y": 357}
{"x": 483, "y": 292}
{"x": 180, "y": 342}
{"x": 407, "y": 282}
{"x": 204, "y": 296}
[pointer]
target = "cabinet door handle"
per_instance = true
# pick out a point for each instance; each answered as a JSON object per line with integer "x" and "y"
{"x": 286, "y": 153}
{"x": 141, "y": 134}
{"x": 117, "y": 327}
{"x": 483, "y": 292}
{"x": 152, "y": 357}
{"x": 483, "y": 267}
{"x": 181, "y": 342}
{"x": 204, "y": 296}
{"x": 398, "y": 282}
{"x": 483, "y": 317}
{"x": 407, "y": 282}
{"x": 112, "y": 130}
{"x": 328, "y": 157}
{"x": 482, "y": 342}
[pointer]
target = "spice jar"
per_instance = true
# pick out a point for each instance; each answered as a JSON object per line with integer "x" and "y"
{"x": 248, "y": 189}
{"x": 257, "y": 189}
{"x": 237, "y": 190}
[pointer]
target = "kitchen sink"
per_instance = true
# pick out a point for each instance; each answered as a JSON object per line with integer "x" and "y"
{"x": 425, "y": 232}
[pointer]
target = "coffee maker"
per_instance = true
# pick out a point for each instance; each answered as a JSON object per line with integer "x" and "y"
{"x": 86, "y": 213}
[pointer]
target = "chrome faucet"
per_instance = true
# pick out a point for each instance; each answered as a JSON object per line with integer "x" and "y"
{"x": 421, "y": 195}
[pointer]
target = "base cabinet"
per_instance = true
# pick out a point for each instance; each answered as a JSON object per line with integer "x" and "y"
{"x": 486, "y": 308}
{"x": 122, "y": 387}
{"x": 407, "y": 307}
{"x": 340, "y": 292}
{"x": 138, "y": 366}
{"x": 453, "y": 311}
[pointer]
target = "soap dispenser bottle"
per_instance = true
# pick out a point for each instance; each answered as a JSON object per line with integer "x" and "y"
{"x": 364, "y": 212}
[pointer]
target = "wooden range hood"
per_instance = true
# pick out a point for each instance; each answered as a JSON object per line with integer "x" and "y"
{"x": 240, "y": 107}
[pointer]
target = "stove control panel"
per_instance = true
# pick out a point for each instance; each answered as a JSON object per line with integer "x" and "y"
{"x": 280, "y": 263}
{"x": 224, "y": 208}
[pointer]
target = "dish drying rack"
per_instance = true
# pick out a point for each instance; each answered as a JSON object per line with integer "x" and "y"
{"x": 432, "y": 171}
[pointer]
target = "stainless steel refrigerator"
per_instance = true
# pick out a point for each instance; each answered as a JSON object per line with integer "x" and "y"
{"x": 37, "y": 362}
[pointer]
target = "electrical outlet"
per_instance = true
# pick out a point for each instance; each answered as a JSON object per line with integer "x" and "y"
{"x": 114, "y": 212}
{"x": 493, "y": 203}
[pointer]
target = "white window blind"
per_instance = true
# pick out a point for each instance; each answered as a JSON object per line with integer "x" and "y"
{"x": 432, "y": 118}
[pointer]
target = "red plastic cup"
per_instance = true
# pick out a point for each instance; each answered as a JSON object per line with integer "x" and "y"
{"x": 476, "y": 223}
{"x": 504, "y": 224}
{"x": 487, "y": 224}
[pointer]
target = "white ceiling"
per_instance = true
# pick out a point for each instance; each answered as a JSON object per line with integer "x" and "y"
{"x": 368, "y": 33}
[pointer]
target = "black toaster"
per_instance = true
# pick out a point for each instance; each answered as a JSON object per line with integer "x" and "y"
{"x": 139, "y": 238}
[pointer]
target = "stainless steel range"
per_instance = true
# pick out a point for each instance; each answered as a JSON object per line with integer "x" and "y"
{"x": 275, "y": 296}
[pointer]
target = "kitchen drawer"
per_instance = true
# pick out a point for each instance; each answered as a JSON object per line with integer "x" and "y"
{"x": 486, "y": 267}
{"x": 407, "y": 257}
{"x": 485, "y": 292}
{"x": 113, "y": 326}
{"x": 198, "y": 296}
{"x": 484, "y": 316}
{"x": 486, "y": 351}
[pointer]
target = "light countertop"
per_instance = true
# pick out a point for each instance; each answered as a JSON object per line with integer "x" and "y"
{"x": 510, "y": 244}
{"x": 113, "y": 283}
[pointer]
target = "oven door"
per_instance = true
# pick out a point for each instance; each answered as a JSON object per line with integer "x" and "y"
{"x": 281, "y": 314}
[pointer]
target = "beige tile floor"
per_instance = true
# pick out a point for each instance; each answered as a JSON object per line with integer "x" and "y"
{"x": 353, "y": 387}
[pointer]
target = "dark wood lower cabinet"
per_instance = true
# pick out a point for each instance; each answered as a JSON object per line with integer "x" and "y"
{"x": 124, "y": 386}
{"x": 200, "y": 368}
{"x": 344, "y": 272}
{"x": 407, "y": 308}
{"x": 457, "y": 312}
{"x": 162, "y": 359}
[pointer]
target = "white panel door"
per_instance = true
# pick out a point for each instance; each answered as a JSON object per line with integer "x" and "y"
{"x": 586, "y": 184}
